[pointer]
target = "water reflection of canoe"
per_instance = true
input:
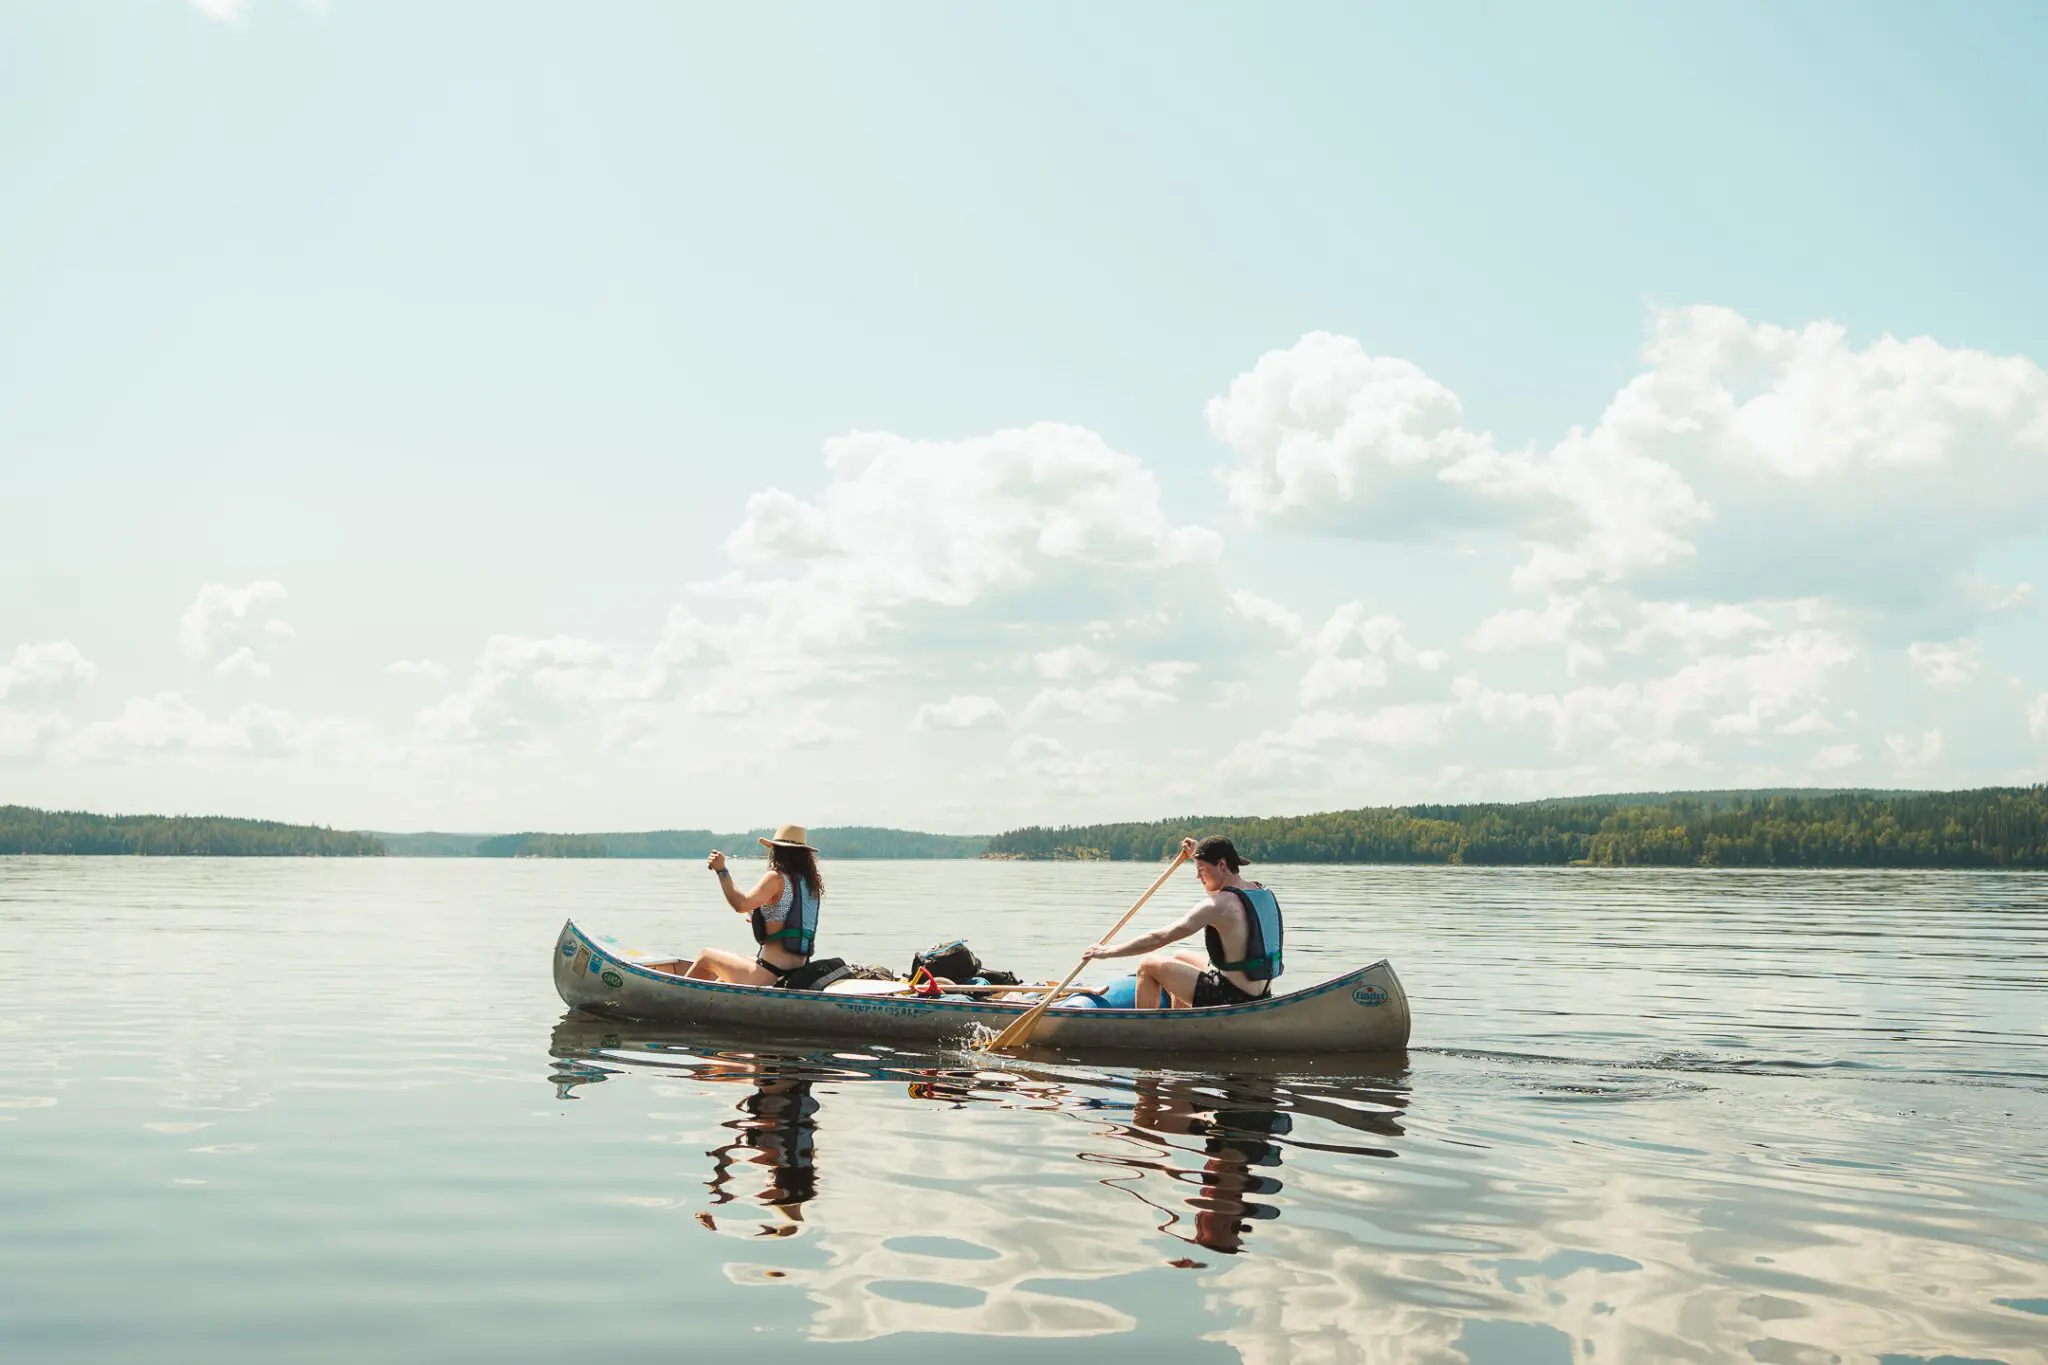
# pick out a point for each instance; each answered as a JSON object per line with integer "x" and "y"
{"x": 1202, "y": 1145}
{"x": 1361, "y": 1011}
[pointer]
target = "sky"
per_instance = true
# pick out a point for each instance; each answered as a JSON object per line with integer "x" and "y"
{"x": 506, "y": 415}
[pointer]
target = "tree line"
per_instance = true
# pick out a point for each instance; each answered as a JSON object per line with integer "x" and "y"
{"x": 24, "y": 829}
{"x": 1996, "y": 827}
{"x": 846, "y": 841}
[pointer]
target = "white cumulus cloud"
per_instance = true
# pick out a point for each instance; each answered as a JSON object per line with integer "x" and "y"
{"x": 1335, "y": 667}
{"x": 55, "y": 666}
{"x": 1943, "y": 665}
{"x": 1039, "y": 550}
{"x": 223, "y": 616}
{"x": 1252, "y": 607}
{"x": 1331, "y": 438}
{"x": 521, "y": 688}
{"x": 1103, "y": 702}
{"x": 1069, "y": 662}
{"x": 1746, "y": 460}
{"x": 1051, "y": 765}
{"x": 243, "y": 663}
{"x": 958, "y": 713}
{"x": 1527, "y": 627}
{"x": 813, "y": 731}
{"x": 29, "y": 735}
{"x": 1920, "y": 752}
{"x": 172, "y": 723}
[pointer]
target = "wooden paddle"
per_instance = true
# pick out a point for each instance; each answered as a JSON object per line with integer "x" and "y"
{"x": 1019, "y": 1033}
{"x": 991, "y": 994}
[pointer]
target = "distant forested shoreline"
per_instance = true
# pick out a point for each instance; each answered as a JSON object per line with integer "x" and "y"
{"x": 24, "y": 829}
{"x": 1996, "y": 827}
{"x": 846, "y": 841}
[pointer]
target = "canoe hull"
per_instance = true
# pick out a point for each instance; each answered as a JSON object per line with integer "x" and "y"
{"x": 1365, "y": 1011}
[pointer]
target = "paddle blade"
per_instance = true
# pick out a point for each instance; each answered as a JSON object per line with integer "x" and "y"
{"x": 1019, "y": 1031}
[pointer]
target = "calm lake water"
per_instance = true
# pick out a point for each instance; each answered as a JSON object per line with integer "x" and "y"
{"x": 275, "y": 1111}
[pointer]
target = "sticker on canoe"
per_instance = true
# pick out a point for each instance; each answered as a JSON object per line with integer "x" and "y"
{"x": 568, "y": 947}
{"x": 582, "y": 956}
{"x": 1369, "y": 995}
{"x": 612, "y": 979}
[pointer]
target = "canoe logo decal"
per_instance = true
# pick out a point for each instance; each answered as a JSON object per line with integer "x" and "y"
{"x": 568, "y": 947}
{"x": 582, "y": 956}
{"x": 1369, "y": 995}
{"x": 612, "y": 979}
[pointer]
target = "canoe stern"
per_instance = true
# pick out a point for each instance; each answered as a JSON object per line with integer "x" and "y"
{"x": 585, "y": 977}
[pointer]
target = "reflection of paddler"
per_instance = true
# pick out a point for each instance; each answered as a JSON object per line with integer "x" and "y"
{"x": 779, "y": 1131}
{"x": 1234, "y": 1140}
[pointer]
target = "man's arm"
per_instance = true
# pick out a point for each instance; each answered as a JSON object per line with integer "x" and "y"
{"x": 1203, "y": 913}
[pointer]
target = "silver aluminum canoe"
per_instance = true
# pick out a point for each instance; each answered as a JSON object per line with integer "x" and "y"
{"x": 1359, "y": 1012}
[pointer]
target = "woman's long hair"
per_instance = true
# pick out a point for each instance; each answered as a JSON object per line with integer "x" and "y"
{"x": 799, "y": 863}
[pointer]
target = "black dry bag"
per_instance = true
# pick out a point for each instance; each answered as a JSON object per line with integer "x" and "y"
{"x": 954, "y": 961}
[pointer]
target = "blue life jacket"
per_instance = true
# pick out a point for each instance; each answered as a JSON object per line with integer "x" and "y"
{"x": 799, "y": 921}
{"x": 1263, "y": 935}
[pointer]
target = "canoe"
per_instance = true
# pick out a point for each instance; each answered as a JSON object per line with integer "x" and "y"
{"x": 1360, "y": 1012}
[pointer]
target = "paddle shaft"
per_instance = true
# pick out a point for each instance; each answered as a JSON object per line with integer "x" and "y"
{"x": 1016, "y": 1034}
{"x": 985, "y": 992}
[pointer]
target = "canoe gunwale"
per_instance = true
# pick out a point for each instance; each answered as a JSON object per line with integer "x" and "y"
{"x": 1270, "y": 1002}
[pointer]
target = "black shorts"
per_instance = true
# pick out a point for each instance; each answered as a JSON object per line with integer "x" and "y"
{"x": 813, "y": 975}
{"x": 1214, "y": 988}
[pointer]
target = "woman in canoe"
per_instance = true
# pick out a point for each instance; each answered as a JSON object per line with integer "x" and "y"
{"x": 784, "y": 909}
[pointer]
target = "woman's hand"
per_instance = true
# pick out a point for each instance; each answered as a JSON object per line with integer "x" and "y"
{"x": 716, "y": 862}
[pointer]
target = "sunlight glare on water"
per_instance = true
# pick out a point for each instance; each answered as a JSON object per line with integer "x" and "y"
{"x": 267, "y": 1110}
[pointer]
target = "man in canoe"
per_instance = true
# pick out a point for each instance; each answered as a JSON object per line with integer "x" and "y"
{"x": 784, "y": 910}
{"x": 1241, "y": 927}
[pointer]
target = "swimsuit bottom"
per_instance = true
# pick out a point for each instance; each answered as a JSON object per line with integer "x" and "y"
{"x": 814, "y": 975}
{"x": 1214, "y": 988}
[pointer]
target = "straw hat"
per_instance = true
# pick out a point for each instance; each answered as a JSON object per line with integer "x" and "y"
{"x": 789, "y": 836}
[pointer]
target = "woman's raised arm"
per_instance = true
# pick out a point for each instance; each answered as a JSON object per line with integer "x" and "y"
{"x": 766, "y": 891}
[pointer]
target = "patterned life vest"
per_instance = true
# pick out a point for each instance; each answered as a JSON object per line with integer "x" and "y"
{"x": 1263, "y": 932}
{"x": 799, "y": 919}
